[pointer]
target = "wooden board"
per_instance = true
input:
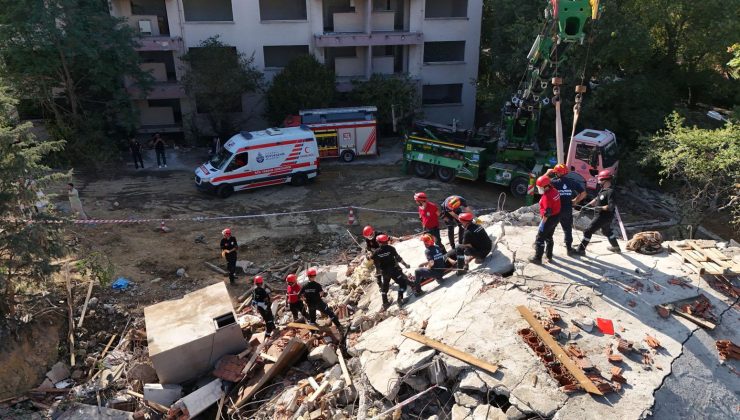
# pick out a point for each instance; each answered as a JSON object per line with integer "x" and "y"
{"x": 695, "y": 265}
{"x": 345, "y": 371}
{"x": 304, "y": 326}
{"x": 561, "y": 355}
{"x": 457, "y": 354}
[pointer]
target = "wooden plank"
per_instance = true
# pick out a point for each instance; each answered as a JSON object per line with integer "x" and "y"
{"x": 313, "y": 383}
{"x": 457, "y": 354}
{"x": 696, "y": 320}
{"x": 87, "y": 300}
{"x": 561, "y": 355}
{"x": 304, "y": 326}
{"x": 101, "y": 356}
{"x": 316, "y": 394}
{"x": 268, "y": 357}
{"x": 698, "y": 256}
{"x": 216, "y": 268}
{"x": 345, "y": 371}
{"x": 71, "y": 333}
{"x": 686, "y": 258}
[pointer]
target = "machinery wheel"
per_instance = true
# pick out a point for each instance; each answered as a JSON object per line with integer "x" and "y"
{"x": 519, "y": 186}
{"x": 347, "y": 156}
{"x": 445, "y": 174}
{"x": 423, "y": 170}
{"x": 224, "y": 191}
{"x": 298, "y": 179}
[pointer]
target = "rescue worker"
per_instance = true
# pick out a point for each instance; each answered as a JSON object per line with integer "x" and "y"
{"x": 429, "y": 216}
{"x": 312, "y": 292}
{"x": 292, "y": 296}
{"x": 475, "y": 244}
{"x": 371, "y": 244}
{"x": 386, "y": 259}
{"x": 450, "y": 210}
{"x": 229, "y": 246}
{"x": 604, "y": 202}
{"x": 434, "y": 267}
{"x": 262, "y": 302}
{"x": 571, "y": 193}
{"x": 550, "y": 214}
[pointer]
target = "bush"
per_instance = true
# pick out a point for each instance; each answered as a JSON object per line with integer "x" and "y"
{"x": 303, "y": 84}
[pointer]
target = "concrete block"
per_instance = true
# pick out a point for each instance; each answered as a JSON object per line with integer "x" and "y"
{"x": 142, "y": 372}
{"x": 164, "y": 394}
{"x": 325, "y": 353}
{"x": 202, "y": 398}
{"x": 58, "y": 372}
{"x": 459, "y": 412}
{"x": 488, "y": 412}
{"x": 472, "y": 382}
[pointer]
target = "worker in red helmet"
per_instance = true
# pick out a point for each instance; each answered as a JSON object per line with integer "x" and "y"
{"x": 386, "y": 259}
{"x": 229, "y": 246}
{"x": 429, "y": 216}
{"x": 572, "y": 192}
{"x": 550, "y": 213}
{"x": 475, "y": 243}
{"x": 292, "y": 296}
{"x": 261, "y": 301}
{"x": 450, "y": 210}
{"x": 313, "y": 293}
{"x": 604, "y": 205}
{"x": 435, "y": 266}
{"x": 371, "y": 244}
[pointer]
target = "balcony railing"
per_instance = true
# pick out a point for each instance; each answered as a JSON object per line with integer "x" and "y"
{"x": 160, "y": 43}
{"x": 363, "y": 40}
{"x": 382, "y": 21}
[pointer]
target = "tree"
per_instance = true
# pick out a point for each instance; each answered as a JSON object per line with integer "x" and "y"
{"x": 71, "y": 56}
{"x": 705, "y": 165}
{"x": 304, "y": 83}
{"x": 217, "y": 78}
{"x": 387, "y": 94}
{"x": 27, "y": 244}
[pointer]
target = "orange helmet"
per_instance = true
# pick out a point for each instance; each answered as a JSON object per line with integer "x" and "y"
{"x": 543, "y": 181}
{"x": 291, "y": 278}
{"x": 605, "y": 174}
{"x": 420, "y": 196}
{"x": 311, "y": 272}
{"x": 226, "y": 231}
{"x": 383, "y": 239}
{"x": 454, "y": 203}
{"x": 258, "y": 280}
{"x": 560, "y": 169}
{"x": 466, "y": 217}
{"x": 427, "y": 239}
{"x": 368, "y": 231}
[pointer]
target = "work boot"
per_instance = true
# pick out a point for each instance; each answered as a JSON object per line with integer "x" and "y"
{"x": 548, "y": 252}
{"x": 615, "y": 249}
{"x": 386, "y": 303}
{"x": 535, "y": 259}
{"x": 463, "y": 270}
{"x": 312, "y": 323}
{"x": 578, "y": 251}
{"x": 571, "y": 251}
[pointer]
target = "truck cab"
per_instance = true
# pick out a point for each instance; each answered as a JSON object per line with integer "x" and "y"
{"x": 592, "y": 151}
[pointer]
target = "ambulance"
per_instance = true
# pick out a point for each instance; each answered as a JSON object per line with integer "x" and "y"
{"x": 261, "y": 158}
{"x": 341, "y": 132}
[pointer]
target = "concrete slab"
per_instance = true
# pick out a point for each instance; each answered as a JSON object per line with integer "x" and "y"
{"x": 92, "y": 412}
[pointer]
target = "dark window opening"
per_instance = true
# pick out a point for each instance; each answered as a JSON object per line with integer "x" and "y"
{"x": 164, "y": 57}
{"x": 444, "y": 51}
{"x": 280, "y": 55}
{"x": 171, "y": 103}
{"x": 224, "y": 320}
{"x": 239, "y": 161}
{"x": 334, "y": 6}
{"x": 207, "y": 10}
{"x": 152, "y": 7}
{"x": 282, "y": 10}
{"x": 442, "y": 94}
{"x": 446, "y": 8}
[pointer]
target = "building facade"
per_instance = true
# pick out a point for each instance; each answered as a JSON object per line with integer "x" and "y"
{"x": 436, "y": 42}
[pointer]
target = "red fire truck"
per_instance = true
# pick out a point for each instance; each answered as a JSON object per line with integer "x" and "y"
{"x": 341, "y": 132}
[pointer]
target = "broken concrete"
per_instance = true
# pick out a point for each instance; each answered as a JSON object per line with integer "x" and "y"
{"x": 202, "y": 398}
{"x": 470, "y": 381}
{"x": 325, "y": 353}
{"x": 162, "y": 394}
{"x": 488, "y": 412}
{"x": 58, "y": 372}
{"x": 459, "y": 412}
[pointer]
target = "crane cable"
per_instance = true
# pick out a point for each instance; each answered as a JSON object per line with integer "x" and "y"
{"x": 579, "y": 94}
{"x": 556, "y": 101}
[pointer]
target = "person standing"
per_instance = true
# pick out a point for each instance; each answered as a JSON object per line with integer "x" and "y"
{"x": 452, "y": 207}
{"x": 261, "y": 301}
{"x": 313, "y": 293}
{"x": 159, "y": 146}
{"x": 292, "y": 296}
{"x": 229, "y": 247}
{"x": 74, "y": 202}
{"x": 571, "y": 193}
{"x": 429, "y": 216}
{"x": 386, "y": 259}
{"x": 435, "y": 266}
{"x": 550, "y": 213}
{"x": 135, "y": 148}
{"x": 604, "y": 202}
{"x": 371, "y": 244}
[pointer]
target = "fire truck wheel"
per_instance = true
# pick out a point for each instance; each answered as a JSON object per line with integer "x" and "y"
{"x": 423, "y": 169}
{"x": 224, "y": 191}
{"x": 298, "y": 180}
{"x": 347, "y": 156}
{"x": 519, "y": 186}
{"x": 445, "y": 174}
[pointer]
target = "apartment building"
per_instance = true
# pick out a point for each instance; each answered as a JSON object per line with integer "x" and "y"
{"x": 435, "y": 41}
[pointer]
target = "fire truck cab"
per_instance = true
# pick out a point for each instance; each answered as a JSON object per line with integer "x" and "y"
{"x": 592, "y": 151}
{"x": 341, "y": 132}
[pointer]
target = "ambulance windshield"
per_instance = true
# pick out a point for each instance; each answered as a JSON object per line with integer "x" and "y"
{"x": 220, "y": 158}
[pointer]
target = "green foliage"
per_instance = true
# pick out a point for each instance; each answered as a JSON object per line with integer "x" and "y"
{"x": 303, "y": 84}
{"x": 27, "y": 244}
{"x": 217, "y": 78}
{"x": 98, "y": 266}
{"x": 703, "y": 163}
{"x": 386, "y": 93}
{"x": 734, "y": 63}
{"x": 71, "y": 56}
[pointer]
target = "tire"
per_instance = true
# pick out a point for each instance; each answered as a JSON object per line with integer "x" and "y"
{"x": 445, "y": 174}
{"x": 423, "y": 170}
{"x": 298, "y": 180}
{"x": 347, "y": 156}
{"x": 224, "y": 191}
{"x": 519, "y": 186}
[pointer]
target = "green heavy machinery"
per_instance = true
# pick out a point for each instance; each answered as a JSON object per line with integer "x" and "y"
{"x": 508, "y": 155}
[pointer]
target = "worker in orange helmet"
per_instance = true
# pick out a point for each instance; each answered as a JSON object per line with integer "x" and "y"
{"x": 292, "y": 296}
{"x": 450, "y": 210}
{"x": 435, "y": 266}
{"x": 604, "y": 205}
{"x": 571, "y": 192}
{"x": 550, "y": 213}
{"x": 261, "y": 301}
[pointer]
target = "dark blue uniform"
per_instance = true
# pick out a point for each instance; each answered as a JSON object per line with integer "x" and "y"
{"x": 569, "y": 189}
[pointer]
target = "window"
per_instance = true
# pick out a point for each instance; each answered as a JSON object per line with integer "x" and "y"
{"x": 442, "y": 94}
{"x": 588, "y": 154}
{"x": 207, "y": 10}
{"x": 446, "y": 9}
{"x": 239, "y": 161}
{"x": 280, "y": 55}
{"x": 609, "y": 155}
{"x": 282, "y": 10}
{"x": 220, "y": 158}
{"x": 444, "y": 51}
{"x": 224, "y": 320}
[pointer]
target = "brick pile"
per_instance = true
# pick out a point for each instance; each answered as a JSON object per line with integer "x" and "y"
{"x": 700, "y": 307}
{"x": 229, "y": 368}
{"x": 554, "y": 367}
{"x": 177, "y": 413}
{"x": 728, "y": 350}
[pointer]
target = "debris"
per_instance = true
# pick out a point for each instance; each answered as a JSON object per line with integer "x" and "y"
{"x": 85, "y": 411}
{"x": 198, "y": 401}
{"x": 548, "y": 291}
{"x": 465, "y": 357}
{"x": 696, "y": 309}
{"x": 632, "y": 303}
{"x": 605, "y": 326}
{"x": 58, "y": 373}
{"x": 345, "y": 372}
{"x": 652, "y": 342}
{"x": 87, "y": 301}
{"x": 325, "y": 353}
{"x": 121, "y": 283}
{"x": 663, "y": 311}
{"x": 215, "y": 268}
{"x": 680, "y": 282}
{"x": 625, "y": 346}
{"x": 554, "y": 315}
{"x": 229, "y": 368}
{"x": 181, "y": 272}
{"x": 162, "y": 394}
{"x": 727, "y": 350}
{"x": 647, "y": 243}
{"x": 616, "y": 358}
{"x": 142, "y": 372}
{"x": 586, "y": 324}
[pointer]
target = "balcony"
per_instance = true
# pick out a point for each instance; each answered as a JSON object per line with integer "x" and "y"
{"x": 160, "y": 90}
{"x": 381, "y": 21}
{"x": 160, "y": 43}
{"x": 364, "y": 40}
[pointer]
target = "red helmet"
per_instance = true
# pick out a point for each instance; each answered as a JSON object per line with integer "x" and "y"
{"x": 466, "y": 217}
{"x": 560, "y": 169}
{"x": 605, "y": 174}
{"x": 454, "y": 203}
{"x": 420, "y": 196}
{"x": 311, "y": 272}
{"x": 427, "y": 239}
{"x": 226, "y": 231}
{"x": 543, "y": 181}
{"x": 258, "y": 280}
{"x": 291, "y": 278}
{"x": 383, "y": 239}
{"x": 368, "y": 231}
